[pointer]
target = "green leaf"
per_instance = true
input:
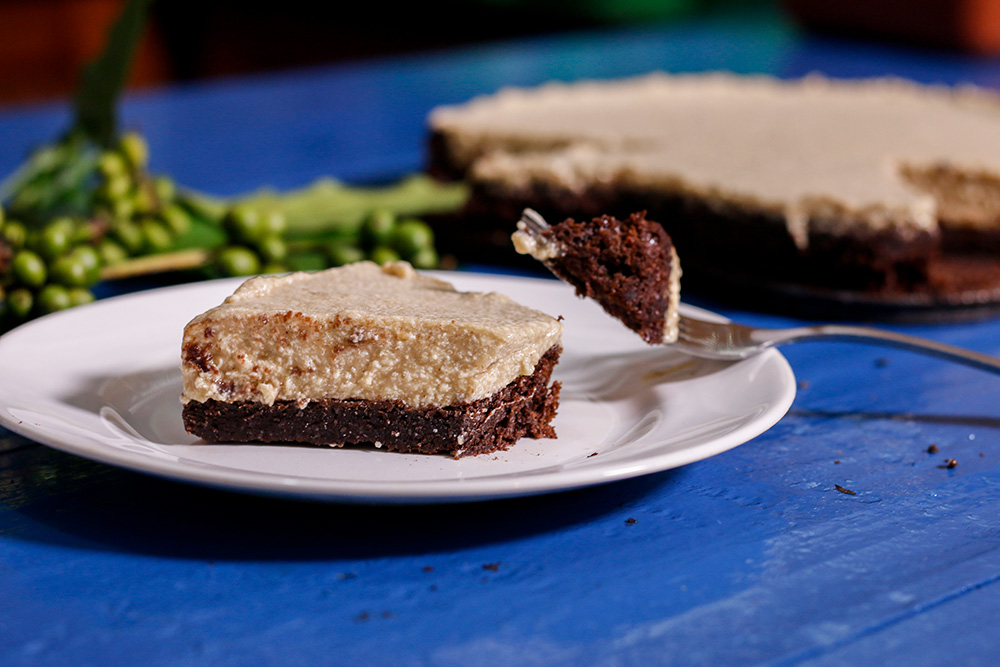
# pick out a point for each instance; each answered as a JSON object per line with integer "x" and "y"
{"x": 103, "y": 80}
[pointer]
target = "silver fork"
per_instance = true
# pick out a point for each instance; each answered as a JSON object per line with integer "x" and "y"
{"x": 731, "y": 341}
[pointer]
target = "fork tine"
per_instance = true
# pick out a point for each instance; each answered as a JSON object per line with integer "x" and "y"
{"x": 533, "y": 221}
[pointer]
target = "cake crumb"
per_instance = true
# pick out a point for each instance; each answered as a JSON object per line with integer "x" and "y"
{"x": 629, "y": 521}
{"x": 492, "y": 567}
{"x": 933, "y": 449}
{"x": 837, "y": 462}
{"x": 428, "y": 568}
{"x": 843, "y": 490}
{"x": 949, "y": 463}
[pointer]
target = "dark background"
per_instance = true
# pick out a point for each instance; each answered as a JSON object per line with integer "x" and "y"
{"x": 43, "y": 43}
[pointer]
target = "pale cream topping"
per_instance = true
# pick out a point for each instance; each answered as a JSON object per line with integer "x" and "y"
{"x": 537, "y": 246}
{"x": 812, "y": 150}
{"x": 365, "y": 332}
{"x": 673, "y": 314}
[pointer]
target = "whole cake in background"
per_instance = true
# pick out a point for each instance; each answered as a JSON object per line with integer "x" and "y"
{"x": 370, "y": 355}
{"x": 881, "y": 186}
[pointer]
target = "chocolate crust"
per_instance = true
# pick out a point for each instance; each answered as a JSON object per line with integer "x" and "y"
{"x": 442, "y": 163}
{"x": 524, "y": 408}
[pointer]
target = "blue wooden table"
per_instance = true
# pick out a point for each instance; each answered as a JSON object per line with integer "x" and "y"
{"x": 749, "y": 557}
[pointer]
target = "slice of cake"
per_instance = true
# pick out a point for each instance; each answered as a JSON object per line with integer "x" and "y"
{"x": 859, "y": 185}
{"x": 630, "y": 267}
{"x": 364, "y": 354}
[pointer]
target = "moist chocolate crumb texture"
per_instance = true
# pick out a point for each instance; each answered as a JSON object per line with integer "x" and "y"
{"x": 629, "y": 267}
{"x": 861, "y": 185}
{"x": 370, "y": 355}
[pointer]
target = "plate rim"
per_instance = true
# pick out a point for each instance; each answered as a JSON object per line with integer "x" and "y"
{"x": 390, "y": 492}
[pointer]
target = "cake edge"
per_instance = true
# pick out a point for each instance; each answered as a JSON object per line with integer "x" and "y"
{"x": 523, "y": 408}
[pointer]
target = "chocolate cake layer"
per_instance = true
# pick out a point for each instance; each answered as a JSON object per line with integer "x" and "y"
{"x": 627, "y": 266}
{"x": 524, "y": 408}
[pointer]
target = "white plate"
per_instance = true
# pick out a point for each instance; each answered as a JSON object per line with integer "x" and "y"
{"x": 102, "y": 381}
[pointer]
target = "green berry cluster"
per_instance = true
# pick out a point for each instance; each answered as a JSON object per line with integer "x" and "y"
{"x": 143, "y": 214}
{"x": 56, "y": 251}
{"x": 78, "y": 211}
{"x": 49, "y": 269}
{"x": 383, "y": 237}
{"x": 255, "y": 242}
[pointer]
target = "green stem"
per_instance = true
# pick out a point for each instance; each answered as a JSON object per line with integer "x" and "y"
{"x": 103, "y": 80}
{"x": 329, "y": 207}
{"x": 180, "y": 260}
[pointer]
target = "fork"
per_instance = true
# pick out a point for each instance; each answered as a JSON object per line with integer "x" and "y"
{"x": 732, "y": 341}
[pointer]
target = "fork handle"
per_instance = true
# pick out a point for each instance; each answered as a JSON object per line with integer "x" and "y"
{"x": 771, "y": 337}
